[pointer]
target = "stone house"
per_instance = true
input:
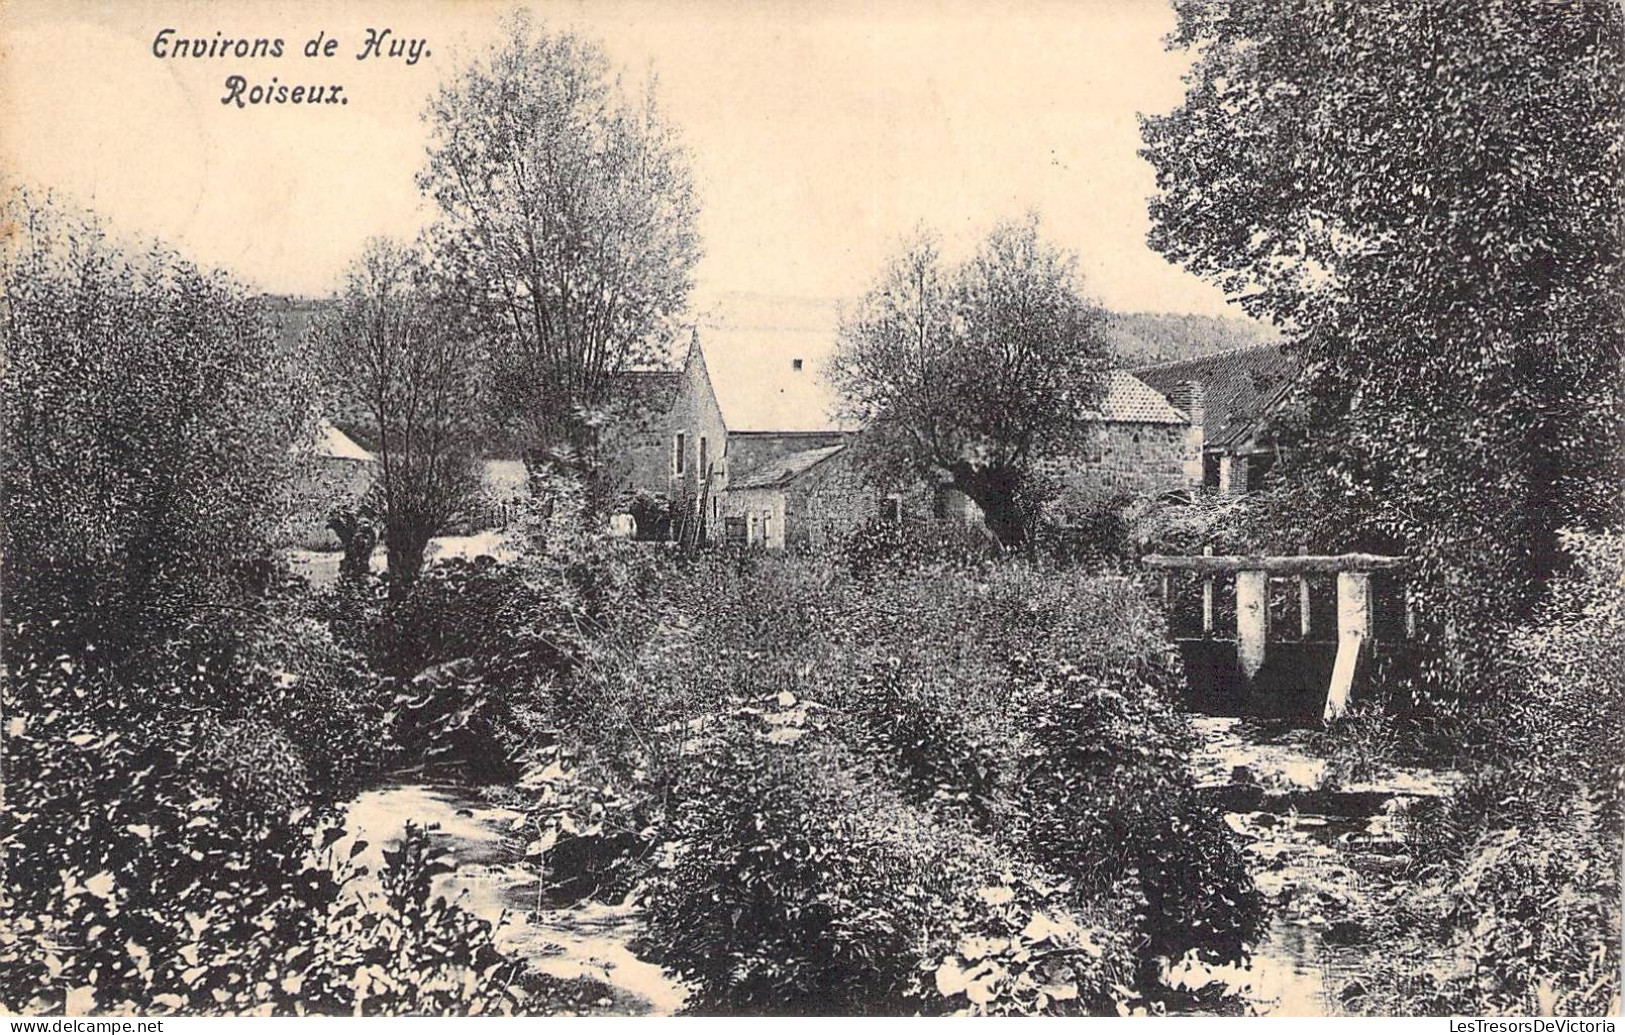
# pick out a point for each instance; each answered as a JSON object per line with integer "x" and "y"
{"x": 736, "y": 432}
{"x": 806, "y": 500}
{"x": 636, "y": 446}
{"x": 1231, "y": 396}
{"x": 1137, "y": 444}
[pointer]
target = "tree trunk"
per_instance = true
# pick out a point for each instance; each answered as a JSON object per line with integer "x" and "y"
{"x": 406, "y": 547}
{"x": 994, "y": 490}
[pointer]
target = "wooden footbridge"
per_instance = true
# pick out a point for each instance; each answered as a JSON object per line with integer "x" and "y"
{"x": 1356, "y": 628}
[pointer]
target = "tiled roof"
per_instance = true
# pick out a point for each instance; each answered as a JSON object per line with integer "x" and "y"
{"x": 1238, "y": 387}
{"x": 650, "y": 390}
{"x": 784, "y": 469}
{"x": 1129, "y": 400}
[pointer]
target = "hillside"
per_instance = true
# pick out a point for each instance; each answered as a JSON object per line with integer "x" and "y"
{"x": 1140, "y": 339}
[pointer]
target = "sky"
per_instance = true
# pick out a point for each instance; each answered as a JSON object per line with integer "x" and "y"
{"x": 820, "y": 132}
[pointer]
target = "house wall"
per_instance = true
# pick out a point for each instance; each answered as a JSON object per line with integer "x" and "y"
{"x": 1127, "y": 457}
{"x": 763, "y": 511}
{"x": 829, "y": 502}
{"x": 637, "y": 444}
{"x": 695, "y": 415}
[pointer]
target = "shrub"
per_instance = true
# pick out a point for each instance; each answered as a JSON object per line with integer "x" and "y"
{"x": 1521, "y": 888}
{"x": 942, "y": 704}
{"x": 140, "y": 880}
{"x": 883, "y": 548}
{"x": 1104, "y": 796}
{"x": 800, "y": 887}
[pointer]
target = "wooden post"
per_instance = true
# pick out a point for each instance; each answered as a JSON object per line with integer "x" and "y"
{"x": 1252, "y": 620}
{"x": 1353, "y": 634}
{"x": 1410, "y": 614}
{"x": 1303, "y": 599}
{"x": 1167, "y": 594}
{"x": 1207, "y": 598}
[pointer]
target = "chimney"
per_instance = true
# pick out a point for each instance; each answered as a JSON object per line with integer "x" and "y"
{"x": 795, "y": 364}
{"x": 1186, "y": 397}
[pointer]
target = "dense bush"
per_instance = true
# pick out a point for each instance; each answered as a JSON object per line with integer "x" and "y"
{"x": 791, "y": 720}
{"x": 144, "y": 876}
{"x": 887, "y": 548}
{"x": 1108, "y": 801}
{"x": 1520, "y": 897}
{"x": 800, "y": 886}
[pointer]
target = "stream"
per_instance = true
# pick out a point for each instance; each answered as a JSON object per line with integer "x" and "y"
{"x": 582, "y": 952}
{"x": 1304, "y": 840}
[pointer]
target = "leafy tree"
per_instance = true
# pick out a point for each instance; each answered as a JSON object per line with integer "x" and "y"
{"x": 153, "y": 423}
{"x": 409, "y": 364}
{"x": 569, "y": 213}
{"x": 969, "y": 375}
{"x": 1426, "y": 196}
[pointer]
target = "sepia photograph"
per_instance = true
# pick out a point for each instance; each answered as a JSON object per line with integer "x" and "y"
{"x": 772, "y": 508}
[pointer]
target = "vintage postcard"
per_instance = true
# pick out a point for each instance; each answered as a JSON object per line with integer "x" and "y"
{"x": 873, "y": 508}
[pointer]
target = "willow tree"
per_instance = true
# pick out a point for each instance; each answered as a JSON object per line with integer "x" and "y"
{"x": 1426, "y": 195}
{"x": 968, "y": 375}
{"x": 407, "y": 366}
{"x": 569, "y": 215}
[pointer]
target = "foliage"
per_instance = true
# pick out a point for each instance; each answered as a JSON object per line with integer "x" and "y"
{"x": 1425, "y": 196}
{"x": 1521, "y": 891}
{"x": 1108, "y": 800}
{"x": 800, "y": 886}
{"x": 404, "y": 359}
{"x": 1142, "y": 339}
{"x": 885, "y": 548}
{"x": 152, "y": 426}
{"x": 142, "y": 877}
{"x": 786, "y": 720}
{"x": 976, "y": 372}
{"x": 569, "y": 217}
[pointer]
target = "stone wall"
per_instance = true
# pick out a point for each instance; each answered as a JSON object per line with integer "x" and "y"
{"x": 695, "y": 416}
{"x": 762, "y": 511}
{"x": 1123, "y": 458}
{"x": 829, "y": 502}
{"x": 636, "y": 446}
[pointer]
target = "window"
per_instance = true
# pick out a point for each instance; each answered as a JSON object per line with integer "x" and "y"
{"x": 733, "y": 530}
{"x": 767, "y": 528}
{"x": 795, "y": 364}
{"x": 705, "y": 464}
{"x": 681, "y": 451}
{"x": 891, "y": 509}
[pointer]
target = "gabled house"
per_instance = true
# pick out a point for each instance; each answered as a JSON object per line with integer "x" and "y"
{"x": 1231, "y": 395}
{"x": 727, "y": 422}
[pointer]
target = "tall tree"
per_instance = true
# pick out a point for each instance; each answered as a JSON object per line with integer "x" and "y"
{"x": 569, "y": 211}
{"x": 1426, "y": 195}
{"x": 407, "y": 362}
{"x": 969, "y": 375}
{"x": 152, "y": 424}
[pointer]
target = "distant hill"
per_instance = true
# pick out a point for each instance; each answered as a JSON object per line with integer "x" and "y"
{"x": 1140, "y": 339}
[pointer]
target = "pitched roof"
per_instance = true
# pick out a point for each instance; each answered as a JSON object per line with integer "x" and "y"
{"x": 1238, "y": 387}
{"x": 336, "y": 445}
{"x": 785, "y": 469}
{"x": 1129, "y": 400}
{"x": 751, "y": 351}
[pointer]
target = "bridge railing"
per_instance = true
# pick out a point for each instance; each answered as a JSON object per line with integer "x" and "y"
{"x": 1252, "y": 573}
